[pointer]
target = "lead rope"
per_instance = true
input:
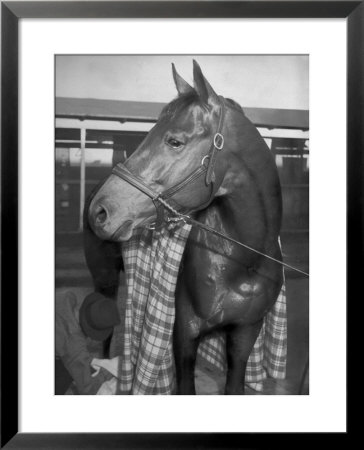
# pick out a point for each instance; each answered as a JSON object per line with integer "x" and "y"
{"x": 189, "y": 220}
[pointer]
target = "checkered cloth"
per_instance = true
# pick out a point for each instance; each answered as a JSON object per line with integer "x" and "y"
{"x": 143, "y": 363}
{"x": 151, "y": 262}
{"x": 269, "y": 355}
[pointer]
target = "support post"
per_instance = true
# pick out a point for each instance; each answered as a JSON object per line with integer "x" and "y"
{"x": 82, "y": 175}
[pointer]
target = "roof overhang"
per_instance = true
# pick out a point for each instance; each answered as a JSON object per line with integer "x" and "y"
{"x": 132, "y": 111}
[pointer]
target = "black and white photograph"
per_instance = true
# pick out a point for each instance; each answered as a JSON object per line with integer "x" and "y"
{"x": 181, "y": 224}
{"x": 181, "y": 205}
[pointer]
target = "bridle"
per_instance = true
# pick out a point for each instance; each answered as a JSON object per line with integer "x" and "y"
{"x": 161, "y": 199}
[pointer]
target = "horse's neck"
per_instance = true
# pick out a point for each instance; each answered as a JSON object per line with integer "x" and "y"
{"x": 249, "y": 208}
{"x": 240, "y": 217}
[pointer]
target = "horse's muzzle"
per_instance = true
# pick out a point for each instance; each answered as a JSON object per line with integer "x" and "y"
{"x": 99, "y": 215}
{"x": 117, "y": 208}
{"x": 99, "y": 219}
{"x": 101, "y": 223}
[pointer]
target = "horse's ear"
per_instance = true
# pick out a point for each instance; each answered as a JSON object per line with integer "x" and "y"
{"x": 203, "y": 87}
{"x": 182, "y": 86}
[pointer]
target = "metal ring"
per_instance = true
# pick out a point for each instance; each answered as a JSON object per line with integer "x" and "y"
{"x": 221, "y": 137}
{"x": 203, "y": 159}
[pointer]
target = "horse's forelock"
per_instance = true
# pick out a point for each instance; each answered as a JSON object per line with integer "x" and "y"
{"x": 180, "y": 103}
{"x": 185, "y": 100}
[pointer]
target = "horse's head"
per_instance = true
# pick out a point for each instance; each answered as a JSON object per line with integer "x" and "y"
{"x": 177, "y": 159}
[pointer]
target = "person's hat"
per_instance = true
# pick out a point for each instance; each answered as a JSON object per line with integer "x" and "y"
{"x": 98, "y": 316}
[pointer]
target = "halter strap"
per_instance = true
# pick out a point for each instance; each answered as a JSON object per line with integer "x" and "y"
{"x": 122, "y": 172}
{"x": 216, "y": 146}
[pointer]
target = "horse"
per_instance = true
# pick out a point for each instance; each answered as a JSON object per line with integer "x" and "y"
{"x": 203, "y": 159}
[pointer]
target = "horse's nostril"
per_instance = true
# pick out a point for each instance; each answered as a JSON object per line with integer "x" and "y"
{"x": 100, "y": 214}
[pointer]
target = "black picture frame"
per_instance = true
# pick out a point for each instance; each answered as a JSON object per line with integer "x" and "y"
{"x": 11, "y": 13}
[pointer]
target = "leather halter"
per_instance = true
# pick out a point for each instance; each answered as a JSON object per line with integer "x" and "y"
{"x": 159, "y": 198}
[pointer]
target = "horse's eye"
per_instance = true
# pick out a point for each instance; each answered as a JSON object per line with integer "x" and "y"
{"x": 174, "y": 143}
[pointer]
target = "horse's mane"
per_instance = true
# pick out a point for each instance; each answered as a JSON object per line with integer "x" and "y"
{"x": 234, "y": 105}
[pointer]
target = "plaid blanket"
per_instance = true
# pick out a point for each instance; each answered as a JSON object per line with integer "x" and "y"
{"x": 143, "y": 356}
{"x": 269, "y": 355}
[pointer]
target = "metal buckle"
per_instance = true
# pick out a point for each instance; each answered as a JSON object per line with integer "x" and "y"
{"x": 151, "y": 226}
{"x": 219, "y": 141}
